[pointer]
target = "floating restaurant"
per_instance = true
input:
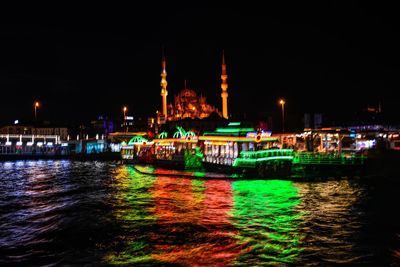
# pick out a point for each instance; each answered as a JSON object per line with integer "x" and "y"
{"x": 228, "y": 148}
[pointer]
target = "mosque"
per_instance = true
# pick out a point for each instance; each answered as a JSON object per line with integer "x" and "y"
{"x": 187, "y": 103}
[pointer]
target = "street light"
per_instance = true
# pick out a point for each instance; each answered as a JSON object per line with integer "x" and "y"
{"x": 125, "y": 109}
{"x": 36, "y": 105}
{"x": 282, "y": 102}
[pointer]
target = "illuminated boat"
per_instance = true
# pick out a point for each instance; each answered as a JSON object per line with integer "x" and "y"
{"x": 330, "y": 152}
{"x": 137, "y": 150}
{"x": 229, "y": 149}
{"x": 181, "y": 151}
{"x": 243, "y": 149}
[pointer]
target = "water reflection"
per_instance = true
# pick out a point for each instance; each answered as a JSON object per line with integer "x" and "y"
{"x": 193, "y": 224}
{"x": 99, "y": 213}
{"x": 331, "y": 221}
{"x": 206, "y": 222}
{"x": 268, "y": 223}
{"x": 132, "y": 204}
{"x": 173, "y": 220}
{"x": 181, "y": 221}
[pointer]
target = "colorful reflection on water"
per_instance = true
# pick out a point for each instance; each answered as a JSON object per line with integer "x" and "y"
{"x": 74, "y": 213}
{"x": 207, "y": 222}
{"x": 134, "y": 215}
{"x": 265, "y": 214}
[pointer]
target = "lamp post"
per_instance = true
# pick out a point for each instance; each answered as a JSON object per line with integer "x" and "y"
{"x": 36, "y": 106}
{"x": 282, "y": 102}
{"x": 125, "y": 109}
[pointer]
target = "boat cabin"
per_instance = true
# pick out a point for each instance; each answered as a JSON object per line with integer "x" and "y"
{"x": 137, "y": 147}
{"x": 225, "y": 145}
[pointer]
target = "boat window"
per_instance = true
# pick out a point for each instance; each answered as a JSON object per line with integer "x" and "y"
{"x": 235, "y": 150}
{"x": 244, "y": 147}
{"x": 251, "y": 147}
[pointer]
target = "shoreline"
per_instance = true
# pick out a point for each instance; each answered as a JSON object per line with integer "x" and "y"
{"x": 102, "y": 156}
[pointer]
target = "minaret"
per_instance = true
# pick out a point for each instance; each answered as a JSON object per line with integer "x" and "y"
{"x": 163, "y": 84}
{"x": 224, "y": 87}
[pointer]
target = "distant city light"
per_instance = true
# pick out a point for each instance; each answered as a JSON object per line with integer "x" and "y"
{"x": 16, "y": 122}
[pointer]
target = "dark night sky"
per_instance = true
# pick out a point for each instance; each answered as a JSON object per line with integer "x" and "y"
{"x": 331, "y": 58}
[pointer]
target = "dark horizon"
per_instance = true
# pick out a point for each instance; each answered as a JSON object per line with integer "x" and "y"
{"x": 334, "y": 59}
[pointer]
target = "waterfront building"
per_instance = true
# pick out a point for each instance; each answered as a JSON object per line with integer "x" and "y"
{"x": 32, "y": 144}
{"x": 102, "y": 126}
{"x": 43, "y": 128}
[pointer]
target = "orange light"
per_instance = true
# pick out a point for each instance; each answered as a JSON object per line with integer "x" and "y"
{"x": 282, "y": 102}
{"x": 36, "y": 104}
{"x": 125, "y": 109}
{"x": 258, "y": 138}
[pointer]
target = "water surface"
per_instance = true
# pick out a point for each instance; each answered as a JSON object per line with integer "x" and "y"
{"x": 103, "y": 213}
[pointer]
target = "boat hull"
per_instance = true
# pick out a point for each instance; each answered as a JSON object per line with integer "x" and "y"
{"x": 277, "y": 170}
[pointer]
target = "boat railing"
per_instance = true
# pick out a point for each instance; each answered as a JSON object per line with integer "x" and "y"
{"x": 254, "y": 158}
{"x": 268, "y": 153}
{"x": 327, "y": 158}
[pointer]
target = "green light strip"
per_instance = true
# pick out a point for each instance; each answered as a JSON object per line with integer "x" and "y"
{"x": 326, "y": 159}
{"x": 233, "y": 130}
{"x": 266, "y": 151}
{"x": 272, "y": 158}
{"x": 240, "y": 161}
{"x": 163, "y": 135}
{"x": 137, "y": 140}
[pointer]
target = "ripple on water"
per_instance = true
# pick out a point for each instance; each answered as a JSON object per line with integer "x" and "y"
{"x": 101, "y": 213}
